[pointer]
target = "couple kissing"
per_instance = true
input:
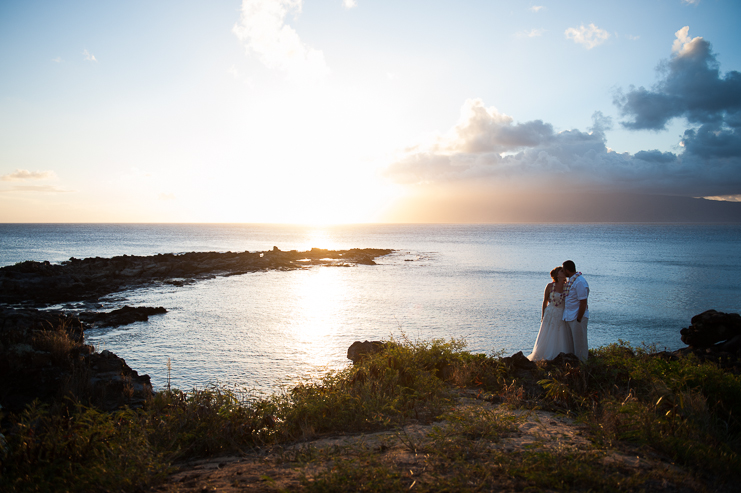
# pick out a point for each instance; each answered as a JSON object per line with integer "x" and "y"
{"x": 564, "y": 316}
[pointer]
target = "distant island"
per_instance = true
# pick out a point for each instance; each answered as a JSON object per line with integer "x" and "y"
{"x": 566, "y": 207}
{"x": 616, "y": 207}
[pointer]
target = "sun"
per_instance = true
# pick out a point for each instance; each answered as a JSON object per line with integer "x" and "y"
{"x": 328, "y": 198}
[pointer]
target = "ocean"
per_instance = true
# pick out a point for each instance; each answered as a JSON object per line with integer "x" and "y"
{"x": 480, "y": 283}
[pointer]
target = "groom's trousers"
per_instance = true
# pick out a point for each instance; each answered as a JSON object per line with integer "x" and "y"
{"x": 579, "y": 334}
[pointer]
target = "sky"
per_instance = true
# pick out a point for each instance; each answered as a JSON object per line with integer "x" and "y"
{"x": 348, "y": 111}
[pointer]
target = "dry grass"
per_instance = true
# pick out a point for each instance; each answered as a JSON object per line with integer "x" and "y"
{"x": 57, "y": 342}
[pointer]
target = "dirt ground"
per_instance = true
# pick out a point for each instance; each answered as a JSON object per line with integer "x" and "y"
{"x": 282, "y": 468}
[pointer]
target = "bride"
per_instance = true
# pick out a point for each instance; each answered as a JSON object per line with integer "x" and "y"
{"x": 554, "y": 336}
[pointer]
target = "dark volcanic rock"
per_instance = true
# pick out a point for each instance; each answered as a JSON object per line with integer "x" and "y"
{"x": 90, "y": 278}
{"x": 17, "y": 323}
{"x": 112, "y": 383}
{"x": 123, "y": 316}
{"x": 43, "y": 356}
{"x": 520, "y": 361}
{"x": 358, "y": 350}
{"x": 564, "y": 359}
{"x": 711, "y": 327}
{"x": 714, "y": 336}
{"x": 733, "y": 345}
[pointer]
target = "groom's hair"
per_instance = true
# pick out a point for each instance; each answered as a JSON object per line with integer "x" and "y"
{"x": 570, "y": 266}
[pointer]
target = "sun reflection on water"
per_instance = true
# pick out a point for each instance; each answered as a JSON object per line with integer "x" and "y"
{"x": 320, "y": 295}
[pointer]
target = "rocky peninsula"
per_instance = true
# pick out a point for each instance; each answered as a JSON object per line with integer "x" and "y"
{"x": 91, "y": 278}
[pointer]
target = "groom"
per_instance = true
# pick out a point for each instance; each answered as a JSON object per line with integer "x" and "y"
{"x": 576, "y": 312}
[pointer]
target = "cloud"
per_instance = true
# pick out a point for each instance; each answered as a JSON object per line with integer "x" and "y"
{"x": 691, "y": 2}
{"x": 590, "y": 36}
{"x": 488, "y": 148}
{"x": 725, "y": 198}
{"x": 656, "y": 156}
{"x": 262, "y": 30}
{"x": 691, "y": 87}
{"x": 536, "y": 8}
{"x": 89, "y": 56}
{"x": 24, "y": 174}
{"x": 633, "y": 38}
{"x": 348, "y": 4}
{"x": 532, "y": 33}
{"x": 684, "y": 45}
{"x": 35, "y": 188}
{"x": 57, "y": 59}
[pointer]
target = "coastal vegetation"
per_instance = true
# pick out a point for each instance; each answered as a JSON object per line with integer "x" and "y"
{"x": 677, "y": 416}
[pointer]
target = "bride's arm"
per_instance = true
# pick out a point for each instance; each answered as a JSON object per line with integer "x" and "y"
{"x": 546, "y": 294}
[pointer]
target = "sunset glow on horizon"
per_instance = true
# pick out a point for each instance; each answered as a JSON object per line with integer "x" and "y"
{"x": 330, "y": 112}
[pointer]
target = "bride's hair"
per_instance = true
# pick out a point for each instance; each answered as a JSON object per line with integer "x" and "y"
{"x": 554, "y": 273}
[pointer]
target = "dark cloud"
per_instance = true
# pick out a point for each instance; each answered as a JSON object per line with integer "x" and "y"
{"x": 713, "y": 141}
{"x": 656, "y": 156}
{"x": 691, "y": 86}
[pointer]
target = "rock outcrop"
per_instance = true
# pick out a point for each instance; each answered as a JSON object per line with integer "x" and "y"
{"x": 123, "y": 316}
{"x": 519, "y": 361}
{"x": 711, "y": 328}
{"x": 43, "y": 356}
{"x": 91, "y": 278}
{"x": 715, "y": 336}
{"x": 358, "y": 350}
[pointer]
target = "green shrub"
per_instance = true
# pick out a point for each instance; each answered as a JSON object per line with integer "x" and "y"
{"x": 681, "y": 407}
{"x": 79, "y": 449}
{"x": 206, "y": 422}
{"x": 382, "y": 390}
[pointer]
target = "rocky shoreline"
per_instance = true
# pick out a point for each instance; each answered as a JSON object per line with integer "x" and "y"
{"x": 43, "y": 354}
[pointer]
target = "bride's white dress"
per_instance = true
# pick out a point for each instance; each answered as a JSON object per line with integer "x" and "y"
{"x": 554, "y": 336}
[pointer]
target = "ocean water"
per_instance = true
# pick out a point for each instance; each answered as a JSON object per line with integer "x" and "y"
{"x": 481, "y": 283}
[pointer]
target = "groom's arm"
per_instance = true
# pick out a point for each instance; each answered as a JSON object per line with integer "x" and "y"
{"x": 582, "y": 293}
{"x": 582, "y": 309}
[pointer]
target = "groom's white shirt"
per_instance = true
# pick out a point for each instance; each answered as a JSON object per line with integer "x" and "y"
{"x": 578, "y": 291}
